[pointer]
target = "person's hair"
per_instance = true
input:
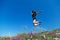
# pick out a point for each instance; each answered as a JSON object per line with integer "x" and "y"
{"x": 33, "y": 11}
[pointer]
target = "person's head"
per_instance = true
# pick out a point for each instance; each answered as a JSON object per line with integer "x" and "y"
{"x": 33, "y": 11}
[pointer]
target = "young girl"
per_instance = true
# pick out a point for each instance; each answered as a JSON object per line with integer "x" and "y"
{"x": 35, "y": 22}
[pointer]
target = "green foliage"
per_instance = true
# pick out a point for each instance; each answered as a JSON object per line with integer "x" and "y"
{"x": 24, "y": 36}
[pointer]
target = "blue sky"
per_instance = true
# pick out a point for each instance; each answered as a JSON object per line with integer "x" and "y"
{"x": 15, "y": 15}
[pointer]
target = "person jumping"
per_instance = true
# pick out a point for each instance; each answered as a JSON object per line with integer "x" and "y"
{"x": 35, "y": 22}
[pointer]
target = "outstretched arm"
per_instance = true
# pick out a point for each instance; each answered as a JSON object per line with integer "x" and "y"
{"x": 39, "y": 12}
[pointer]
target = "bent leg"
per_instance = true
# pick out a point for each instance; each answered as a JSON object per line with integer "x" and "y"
{"x": 36, "y": 23}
